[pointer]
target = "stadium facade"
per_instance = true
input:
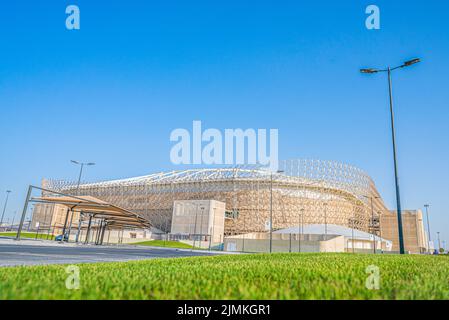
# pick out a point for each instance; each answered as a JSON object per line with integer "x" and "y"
{"x": 302, "y": 192}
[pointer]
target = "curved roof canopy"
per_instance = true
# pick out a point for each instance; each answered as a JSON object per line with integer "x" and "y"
{"x": 113, "y": 215}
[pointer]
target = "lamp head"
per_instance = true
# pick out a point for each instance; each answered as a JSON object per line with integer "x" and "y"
{"x": 370, "y": 70}
{"x": 411, "y": 62}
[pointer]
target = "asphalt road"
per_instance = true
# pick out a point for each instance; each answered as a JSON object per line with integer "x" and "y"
{"x": 14, "y": 255}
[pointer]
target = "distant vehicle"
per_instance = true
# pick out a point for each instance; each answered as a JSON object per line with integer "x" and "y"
{"x": 59, "y": 237}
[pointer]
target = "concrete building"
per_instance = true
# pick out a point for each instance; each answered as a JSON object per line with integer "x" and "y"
{"x": 415, "y": 238}
{"x": 203, "y": 219}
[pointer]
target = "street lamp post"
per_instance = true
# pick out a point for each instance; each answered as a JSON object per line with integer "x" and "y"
{"x": 380, "y": 231}
{"x": 194, "y": 228}
{"x": 372, "y": 221}
{"x": 439, "y": 244}
{"x": 243, "y": 236}
{"x": 428, "y": 222}
{"x": 4, "y": 207}
{"x": 212, "y": 232}
{"x": 13, "y": 218}
{"x": 299, "y": 228}
{"x": 352, "y": 232}
{"x": 271, "y": 212}
{"x": 81, "y": 164}
{"x": 393, "y": 135}
{"x": 201, "y": 226}
{"x": 31, "y": 217}
{"x": 271, "y": 209}
{"x": 325, "y": 220}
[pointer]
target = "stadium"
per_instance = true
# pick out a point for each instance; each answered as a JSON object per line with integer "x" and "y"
{"x": 309, "y": 191}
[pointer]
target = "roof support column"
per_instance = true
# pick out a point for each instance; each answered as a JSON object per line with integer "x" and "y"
{"x": 103, "y": 232}
{"x": 98, "y": 232}
{"x": 70, "y": 225}
{"x": 88, "y": 229}
{"x": 65, "y": 224}
{"x": 79, "y": 227}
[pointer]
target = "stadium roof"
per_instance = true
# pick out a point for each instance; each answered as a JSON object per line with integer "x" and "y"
{"x": 300, "y": 171}
{"x": 196, "y": 175}
{"x": 318, "y": 175}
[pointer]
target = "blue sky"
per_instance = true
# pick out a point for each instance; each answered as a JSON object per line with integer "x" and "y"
{"x": 113, "y": 91}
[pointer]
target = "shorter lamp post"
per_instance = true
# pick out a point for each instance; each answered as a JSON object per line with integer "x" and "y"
{"x": 428, "y": 224}
{"x": 300, "y": 222}
{"x": 325, "y": 220}
{"x": 372, "y": 221}
{"x": 271, "y": 209}
{"x": 4, "y": 207}
{"x": 81, "y": 164}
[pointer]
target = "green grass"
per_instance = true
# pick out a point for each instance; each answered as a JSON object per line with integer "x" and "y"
{"x": 263, "y": 276}
{"x": 28, "y": 235}
{"x": 162, "y": 243}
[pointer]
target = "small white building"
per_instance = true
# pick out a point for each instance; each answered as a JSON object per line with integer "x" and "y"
{"x": 312, "y": 238}
{"x": 203, "y": 218}
{"x": 360, "y": 240}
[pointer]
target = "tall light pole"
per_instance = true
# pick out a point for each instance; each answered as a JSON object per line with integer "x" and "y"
{"x": 380, "y": 230}
{"x": 299, "y": 228}
{"x": 372, "y": 221}
{"x": 271, "y": 209}
{"x": 13, "y": 218}
{"x": 428, "y": 223}
{"x": 393, "y": 135}
{"x": 81, "y": 164}
{"x": 194, "y": 228}
{"x": 352, "y": 233}
{"x": 4, "y": 207}
{"x": 201, "y": 226}
{"x": 31, "y": 216}
{"x": 439, "y": 244}
{"x": 325, "y": 220}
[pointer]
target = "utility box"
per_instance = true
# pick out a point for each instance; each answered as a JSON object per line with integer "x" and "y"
{"x": 199, "y": 218}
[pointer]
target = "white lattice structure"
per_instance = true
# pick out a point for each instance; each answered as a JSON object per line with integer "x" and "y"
{"x": 308, "y": 192}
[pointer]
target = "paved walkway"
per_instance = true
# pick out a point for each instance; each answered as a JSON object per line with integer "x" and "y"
{"x": 30, "y": 252}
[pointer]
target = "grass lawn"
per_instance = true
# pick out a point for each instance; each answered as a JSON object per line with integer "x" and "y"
{"x": 162, "y": 243}
{"x": 28, "y": 235}
{"x": 262, "y": 276}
